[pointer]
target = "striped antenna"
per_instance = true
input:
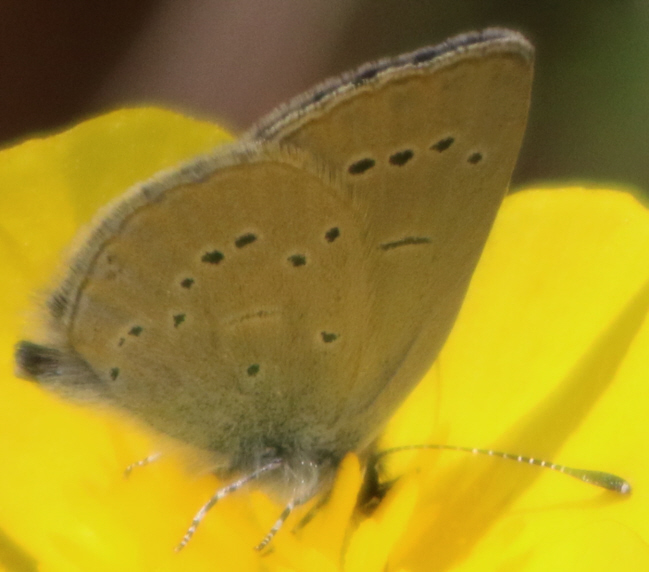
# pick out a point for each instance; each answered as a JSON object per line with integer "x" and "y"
{"x": 225, "y": 491}
{"x": 606, "y": 481}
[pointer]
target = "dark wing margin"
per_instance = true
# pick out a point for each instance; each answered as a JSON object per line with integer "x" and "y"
{"x": 274, "y": 123}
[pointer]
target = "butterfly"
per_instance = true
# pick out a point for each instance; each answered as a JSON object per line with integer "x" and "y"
{"x": 272, "y": 303}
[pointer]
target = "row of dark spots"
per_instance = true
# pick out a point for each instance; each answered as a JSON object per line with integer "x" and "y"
{"x": 330, "y": 236}
{"x": 296, "y": 260}
{"x": 400, "y": 158}
{"x": 327, "y": 338}
{"x": 216, "y": 256}
{"x": 251, "y": 371}
{"x": 135, "y": 331}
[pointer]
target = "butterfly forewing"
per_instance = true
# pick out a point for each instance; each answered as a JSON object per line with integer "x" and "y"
{"x": 426, "y": 148}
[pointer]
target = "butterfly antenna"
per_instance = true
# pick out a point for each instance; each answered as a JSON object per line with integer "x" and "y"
{"x": 221, "y": 493}
{"x": 601, "y": 479}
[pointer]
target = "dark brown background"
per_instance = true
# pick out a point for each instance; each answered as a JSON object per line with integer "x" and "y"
{"x": 235, "y": 59}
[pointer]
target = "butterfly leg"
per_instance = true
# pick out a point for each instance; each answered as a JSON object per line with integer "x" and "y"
{"x": 278, "y": 524}
{"x": 221, "y": 493}
{"x": 141, "y": 463}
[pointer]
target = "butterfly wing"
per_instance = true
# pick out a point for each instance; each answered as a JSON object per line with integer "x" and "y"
{"x": 209, "y": 302}
{"x": 426, "y": 144}
{"x": 288, "y": 292}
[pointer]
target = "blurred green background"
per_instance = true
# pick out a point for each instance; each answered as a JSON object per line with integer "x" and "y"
{"x": 236, "y": 59}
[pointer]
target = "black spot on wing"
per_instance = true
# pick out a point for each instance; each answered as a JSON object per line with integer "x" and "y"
{"x": 245, "y": 240}
{"x": 297, "y": 260}
{"x": 328, "y": 337}
{"x": 407, "y": 241}
{"x": 359, "y": 167}
{"x": 401, "y": 158}
{"x": 332, "y": 234}
{"x": 442, "y": 144}
{"x": 213, "y": 257}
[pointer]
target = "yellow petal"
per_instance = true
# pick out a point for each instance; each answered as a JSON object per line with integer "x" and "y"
{"x": 62, "y": 498}
{"x": 548, "y": 358}
{"x": 550, "y": 323}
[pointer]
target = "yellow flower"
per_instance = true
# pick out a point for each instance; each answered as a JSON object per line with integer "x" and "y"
{"x": 548, "y": 358}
